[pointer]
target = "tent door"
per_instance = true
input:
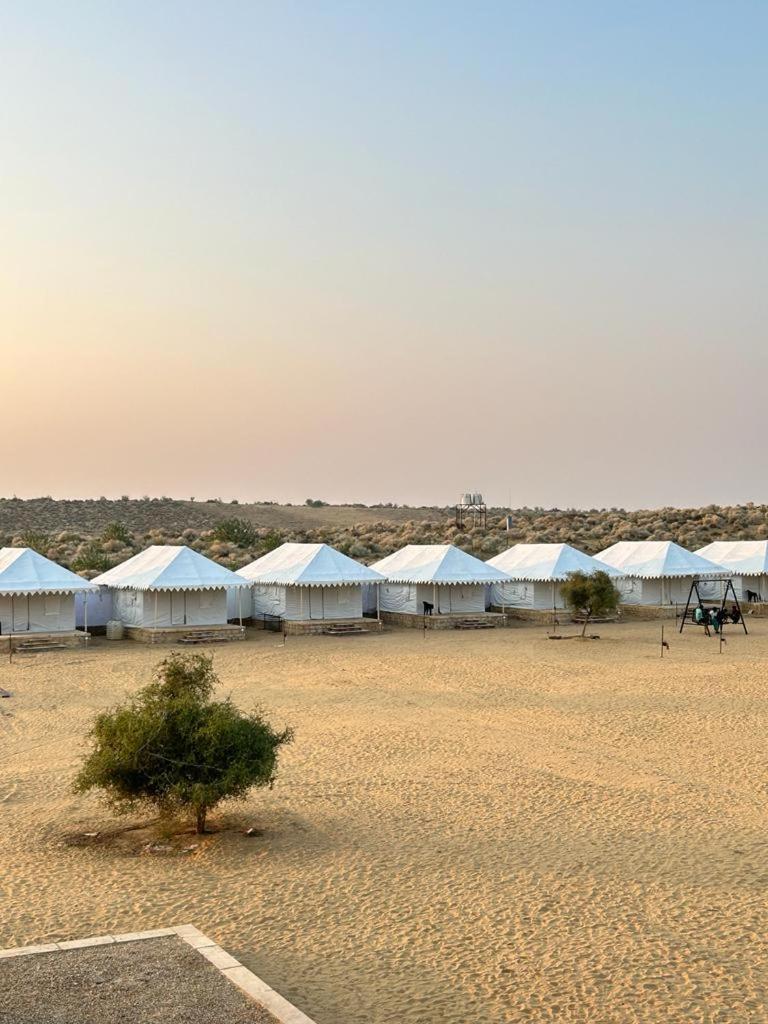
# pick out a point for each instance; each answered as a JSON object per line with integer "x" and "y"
{"x": 178, "y": 608}
{"x": 316, "y": 603}
{"x": 20, "y": 614}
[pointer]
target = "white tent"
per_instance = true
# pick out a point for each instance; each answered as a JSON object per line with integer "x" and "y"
{"x": 437, "y": 574}
{"x": 170, "y": 586}
{"x": 536, "y": 572}
{"x": 747, "y": 560}
{"x": 657, "y": 572}
{"x": 301, "y": 582}
{"x": 36, "y": 594}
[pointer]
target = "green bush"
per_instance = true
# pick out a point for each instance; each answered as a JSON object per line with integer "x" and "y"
{"x": 35, "y": 539}
{"x": 592, "y": 594}
{"x": 117, "y": 531}
{"x": 174, "y": 748}
{"x": 91, "y": 558}
{"x": 236, "y": 531}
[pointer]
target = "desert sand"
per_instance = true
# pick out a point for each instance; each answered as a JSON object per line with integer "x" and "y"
{"x": 469, "y": 827}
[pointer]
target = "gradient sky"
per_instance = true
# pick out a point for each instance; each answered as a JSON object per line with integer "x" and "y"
{"x": 385, "y": 251}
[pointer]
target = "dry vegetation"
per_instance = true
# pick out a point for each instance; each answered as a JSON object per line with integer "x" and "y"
{"x": 90, "y": 536}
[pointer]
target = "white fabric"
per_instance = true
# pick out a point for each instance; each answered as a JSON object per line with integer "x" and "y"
{"x": 304, "y": 603}
{"x": 37, "y": 613}
{"x": 436, "y": 563}
{"x": 169, "y": 567}
{"x": 239, "y": 603}
{"x": 410, "y": 597}
{"x": 656, "y": 559}
{"x": 307, "y": 565}
{"x": 534, "y": 569}
{"x": 538, "y": 594}
{"x": 24, "y": 571}
{"x": 163, "y": 608}
{"x": 547, "y": 562}
{"x": 745, "y": 557}
{"x": 666, "y": 591}
{"x": 99, "y": 607}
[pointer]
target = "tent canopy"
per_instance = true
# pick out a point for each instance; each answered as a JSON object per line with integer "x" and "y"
{"x": 169, "y": 567}
{"x": 547, "y": 562}
{"x": 307, "y": 565}
{"x": 743, "y": 557}
{"x": 651, "y": 559}
{"x": 24, "y": 571}
{"x": 443, "y": 564}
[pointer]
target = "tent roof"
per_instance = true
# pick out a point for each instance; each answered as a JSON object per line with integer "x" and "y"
{"x": 24, "y": 571}
{"x": 547, "y": 562}
{"x": 652, "y": 559}
{"x": 308, "y": 565}
{"x": 745, "y": 557}
{"x": 436, "y": 563}
{"x": 168, "y": 567}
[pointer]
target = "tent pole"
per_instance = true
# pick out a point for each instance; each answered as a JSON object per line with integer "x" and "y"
{"x": 378, "y": 609}
{"x": 85, "y": 616}
{"x": 434, "y": 597}
{"x": 322, "y": 603}
{"x": 240, "y": 606}
{"x": 154, "y": 626}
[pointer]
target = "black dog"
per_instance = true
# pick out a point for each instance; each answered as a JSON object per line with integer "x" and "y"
{"x": 753, "y": 596}
{"x": 428, "y": 608}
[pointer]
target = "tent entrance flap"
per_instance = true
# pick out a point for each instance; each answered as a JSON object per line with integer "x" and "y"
{"x": 178, "y": 607}
{"x": 20, "y": 613}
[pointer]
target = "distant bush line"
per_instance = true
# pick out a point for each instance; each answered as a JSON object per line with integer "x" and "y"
{"x": 91, "y": 536}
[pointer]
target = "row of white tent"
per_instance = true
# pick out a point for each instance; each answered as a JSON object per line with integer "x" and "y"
{"x": 168, "y": 586}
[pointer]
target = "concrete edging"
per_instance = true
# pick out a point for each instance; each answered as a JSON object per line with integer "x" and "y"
{"x": 233, "y": 970}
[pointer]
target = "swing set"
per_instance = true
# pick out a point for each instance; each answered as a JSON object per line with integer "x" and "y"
{"x": 726, "y": 590}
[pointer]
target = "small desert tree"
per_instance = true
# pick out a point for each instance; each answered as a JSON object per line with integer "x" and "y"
{"x": 173, "y": 747}
{"x": 591, "y": 594}
{"x": 236, "y": 531}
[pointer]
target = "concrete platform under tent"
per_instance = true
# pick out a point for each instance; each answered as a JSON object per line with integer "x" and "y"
{"x": 168, "y": 593}
{"x": 185, "y": 634}
{"x": 38, "y": 642}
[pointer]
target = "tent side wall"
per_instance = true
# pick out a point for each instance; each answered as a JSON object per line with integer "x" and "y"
{"x": 410, "y": 598}
{"x": 304, "y": 604}
{"x": 163, "y": 608}
{"x": 99, "y": 607}
{"x": 128, "y": 606}
{"x": 268, "y": 600}
{"x": 206, "y": 607}
{"x": 37, "y": 613}
{"x": 540, "y": 595}
{"x": 239, "y": 603}
{"x": 656, "y": 592}
{"x": 398, "y": 597}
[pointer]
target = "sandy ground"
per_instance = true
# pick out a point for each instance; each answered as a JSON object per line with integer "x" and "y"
{"x": 471, "y": 827}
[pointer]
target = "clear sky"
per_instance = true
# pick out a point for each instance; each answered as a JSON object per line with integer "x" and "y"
{"x": 385, "y": 251}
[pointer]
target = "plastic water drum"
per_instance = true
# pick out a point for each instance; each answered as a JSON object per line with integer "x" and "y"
{"x": 114, "y": 630}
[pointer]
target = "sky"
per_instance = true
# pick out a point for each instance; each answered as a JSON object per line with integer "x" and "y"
{"x": 385, "y": 251}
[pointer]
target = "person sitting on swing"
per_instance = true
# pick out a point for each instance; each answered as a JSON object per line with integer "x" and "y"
{"x": 701, "y": 616}
{"x": 735, "y": 615}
